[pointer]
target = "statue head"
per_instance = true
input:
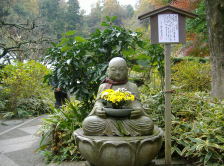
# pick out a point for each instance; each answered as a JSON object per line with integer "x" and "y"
{"x": 117, "y": 69}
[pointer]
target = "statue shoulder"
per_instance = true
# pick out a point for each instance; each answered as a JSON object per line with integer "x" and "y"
{"x": 102, "y": 86}
{"x": 132, "y": 85}
{"x": 101, "y": 89}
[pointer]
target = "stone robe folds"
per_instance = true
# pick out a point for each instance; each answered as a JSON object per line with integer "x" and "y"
{"x": 109, "y": 126}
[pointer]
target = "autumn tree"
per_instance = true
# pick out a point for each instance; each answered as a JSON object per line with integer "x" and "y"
{"x": 52, "y": 17}
{"x": 215, "y": 19}
{"x": 144, "y": 6}
{"x": 73, "y": 16}
{"x": 113, "y": 8}
{"x": 94, "y": 19}
{"x": 129, "y": 11}
{"x": 108, "y": 8}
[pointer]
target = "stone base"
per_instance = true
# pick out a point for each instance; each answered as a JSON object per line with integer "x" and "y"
{"x": 88, "y": 164}
{"x": 150, "y": 164}
{"x": 119, "y": 151}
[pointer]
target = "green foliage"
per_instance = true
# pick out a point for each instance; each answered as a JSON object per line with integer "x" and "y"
{"x": 198, "y": 33}
{"x": 129, "y": 11}
{"x": 23, "y": 91}
{"x": 93, "y": 20}
{"x": 150, "y": 59}
{"x": 80, "y": 64}
{"x": 51, "y": 12}
{"x": 153, "y": 102}
{"x": 113, "y": 8}
{"x": 192, "y": 76}
{"x": 49, "y": 9}
{"x": 4, "y": 11}
{"x": 73, "y": 17}
{"x": 114, "y": 41}
{"x": 60, "y": 16}
{"x": 26, "y": 108}
{"x": 199, "y": 24}
{"x": 108, "y": 8}
{"x": 57, "y": 142}
{"x": 199, "y": 60}
{"x": 25, "y": 79}
{"x": 201, "y": 124}
{"x": 197, "y": 125}
{"x": 2, "y": 105}
{"x": 1, "y": 73}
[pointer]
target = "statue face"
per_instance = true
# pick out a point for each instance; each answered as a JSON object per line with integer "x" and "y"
{"x": 117, "y": 70}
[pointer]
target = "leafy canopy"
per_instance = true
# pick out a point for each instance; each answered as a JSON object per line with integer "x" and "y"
{"x": 80, "y": 64}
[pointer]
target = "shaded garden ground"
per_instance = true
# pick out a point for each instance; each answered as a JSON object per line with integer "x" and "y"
{"x": 19, "y": 141}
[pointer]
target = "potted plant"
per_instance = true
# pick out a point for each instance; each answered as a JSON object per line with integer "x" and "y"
{"x": 117, "y": 101}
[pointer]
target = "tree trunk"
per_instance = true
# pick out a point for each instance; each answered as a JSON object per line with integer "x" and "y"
{"x": 215, "y": 19}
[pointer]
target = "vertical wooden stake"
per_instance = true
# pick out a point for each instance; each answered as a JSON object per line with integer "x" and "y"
{"x": 167, "y": 53}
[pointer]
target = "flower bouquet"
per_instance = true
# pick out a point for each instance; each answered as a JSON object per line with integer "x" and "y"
{"x": 116, "y": 102}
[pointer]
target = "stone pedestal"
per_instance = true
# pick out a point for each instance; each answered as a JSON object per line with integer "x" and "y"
{"x": 119, "y": 151}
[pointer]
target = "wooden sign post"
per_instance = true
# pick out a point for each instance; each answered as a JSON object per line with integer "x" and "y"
{"x": 167, "y": 27}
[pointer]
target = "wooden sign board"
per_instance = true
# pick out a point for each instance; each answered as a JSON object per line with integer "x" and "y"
{"x": 167, "y": 27}
{"x": 167, "y": 24}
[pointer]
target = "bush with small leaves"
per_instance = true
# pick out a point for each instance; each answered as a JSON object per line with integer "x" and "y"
{"x": 24, "y": 92}
{"x": 192, "y": 76}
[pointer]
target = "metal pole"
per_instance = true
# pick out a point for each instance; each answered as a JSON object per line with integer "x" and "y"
{"x": 167, "y": 53}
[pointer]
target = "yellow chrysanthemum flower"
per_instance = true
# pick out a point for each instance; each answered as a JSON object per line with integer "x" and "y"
{"x": 118, "y": 97}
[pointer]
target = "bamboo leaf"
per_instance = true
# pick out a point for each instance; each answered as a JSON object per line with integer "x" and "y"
{"x": 207, "y": 157}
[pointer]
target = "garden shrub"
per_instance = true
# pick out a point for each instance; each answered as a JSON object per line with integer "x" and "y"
{"x": 197, "y": 125}
{"x": 176, "y": 60}
{"x": 57, "y": 142}
{"x": 1, "y": 73}
{"x": 80, "y": 64}
{"x": 192, "y": 76}
{"x": 23, "y": 91}
{"x": 31, "y": 107}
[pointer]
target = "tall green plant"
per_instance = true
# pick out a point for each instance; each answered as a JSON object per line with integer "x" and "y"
{"x": 80, "y": 64}
{"x": 150, "y": 60}
{"x": 58, "y": 143}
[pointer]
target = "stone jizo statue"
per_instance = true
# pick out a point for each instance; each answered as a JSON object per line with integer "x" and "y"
{"x": 98, "y": 123}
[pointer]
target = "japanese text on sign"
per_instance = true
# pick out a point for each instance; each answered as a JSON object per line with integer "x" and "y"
{"x": 168, "y": 28}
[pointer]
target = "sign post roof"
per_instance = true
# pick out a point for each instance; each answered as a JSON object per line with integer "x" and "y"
{"x": 167, "y": 8}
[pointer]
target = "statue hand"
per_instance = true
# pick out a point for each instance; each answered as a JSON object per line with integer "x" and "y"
{"x": 136, "y": 113}
{"x": 99, "y": 112}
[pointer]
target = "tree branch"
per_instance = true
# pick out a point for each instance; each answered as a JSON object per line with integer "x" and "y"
{"x": 19, "y": 26}
{"x": 17, "y": 47}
